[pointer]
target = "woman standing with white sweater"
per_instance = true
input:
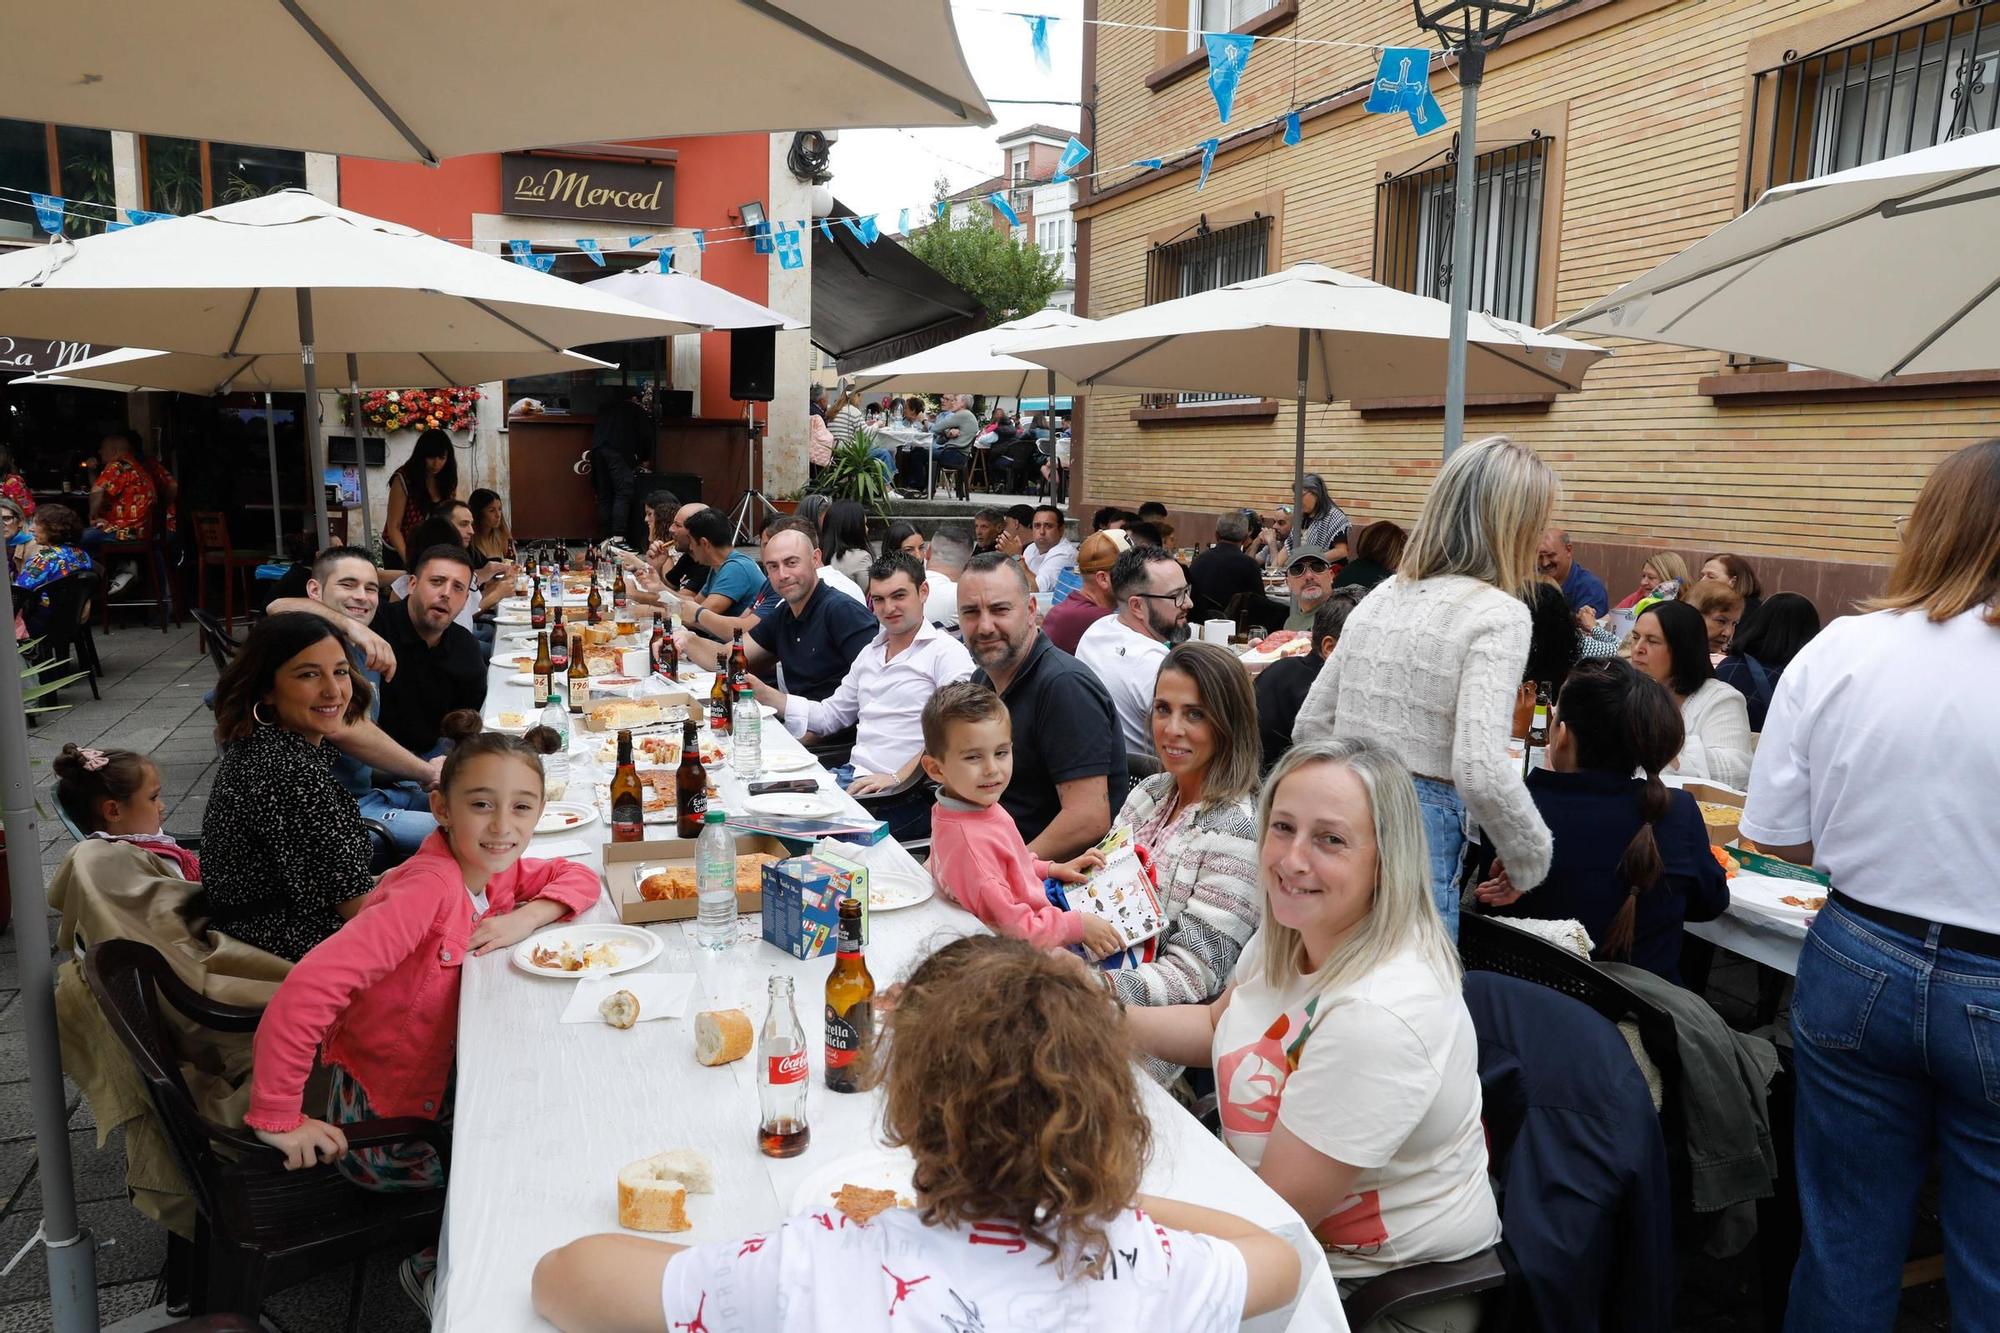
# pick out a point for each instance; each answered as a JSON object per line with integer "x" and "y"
{"x": 1429, "y": 664}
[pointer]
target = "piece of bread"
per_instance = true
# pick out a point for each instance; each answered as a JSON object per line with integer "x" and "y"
{"x": 862, "y": 1204}
{"x": 603, "y": 661}
{"x": 614, "y": 714}
{"x": 599, "y": 635}
{"x": 677, "y": 883}
{"x": 620, "y": 1009}
{"x": 652, "y": 1194}
{"x": 722, "y": 1035}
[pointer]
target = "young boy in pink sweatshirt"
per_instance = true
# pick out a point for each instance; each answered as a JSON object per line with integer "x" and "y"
{"x": 977, "y": 856}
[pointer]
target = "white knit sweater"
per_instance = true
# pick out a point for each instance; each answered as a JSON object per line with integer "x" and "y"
{"x": 1429, "y": 669}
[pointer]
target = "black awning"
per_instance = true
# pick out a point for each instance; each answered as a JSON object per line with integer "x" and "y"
{"x": 874, "y": 303}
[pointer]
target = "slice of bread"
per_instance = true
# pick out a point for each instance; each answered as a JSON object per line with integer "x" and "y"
{"x": 722, "y": 1035}
{"x": 620, "y": 1009}
{"x": 652, "y": 1193}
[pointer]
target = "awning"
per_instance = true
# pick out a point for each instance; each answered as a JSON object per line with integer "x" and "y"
{"x": 34, "y": 356}
{"x": 874, "y": 303}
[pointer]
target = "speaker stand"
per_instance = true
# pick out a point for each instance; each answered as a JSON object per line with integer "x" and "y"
{"x": 755, "y": 506}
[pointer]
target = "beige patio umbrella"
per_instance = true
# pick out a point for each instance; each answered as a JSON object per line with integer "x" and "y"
{"x": 420, "y": 82}
{"x": 1310, "y": 334}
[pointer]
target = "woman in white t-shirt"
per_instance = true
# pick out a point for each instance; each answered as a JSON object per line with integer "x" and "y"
{"x": 1346, "y": 1066}
{"x": 1880, "y": 764}
{"x": 1009, "y": 1079}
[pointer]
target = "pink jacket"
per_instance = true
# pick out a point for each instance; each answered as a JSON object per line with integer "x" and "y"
{"x": 381, "y": 994}
{"x": 979, "y": 860}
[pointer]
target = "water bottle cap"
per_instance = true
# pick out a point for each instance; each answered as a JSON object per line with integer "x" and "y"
{"x": 715, "y": 817}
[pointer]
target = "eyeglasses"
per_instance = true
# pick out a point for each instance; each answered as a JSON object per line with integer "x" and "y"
{"x": 1183, "y": 595}
{"x": 1309, "y": 567}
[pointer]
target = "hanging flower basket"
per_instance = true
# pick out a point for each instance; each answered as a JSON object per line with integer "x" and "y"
{"x": 387, "y": 410}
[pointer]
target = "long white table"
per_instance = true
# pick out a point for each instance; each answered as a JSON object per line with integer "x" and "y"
{"x": 546, "y": 1113}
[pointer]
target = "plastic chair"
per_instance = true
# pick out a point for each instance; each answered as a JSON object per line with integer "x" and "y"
{"x": 71, "y": 600}
{"x": 214, "y": 552}
{"x": 1424, "y": 1284}
{"x": 259, "y": 1228}
{"x": 221, "y": 644}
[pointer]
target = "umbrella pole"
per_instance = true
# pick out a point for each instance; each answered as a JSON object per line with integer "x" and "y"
{"x": 315, "y": 446}
{"x": 1299, "y": 444}
{"x": 71, "y": 1253}
{"x": 271, "y": 439}
{"x": 360, "y": 451}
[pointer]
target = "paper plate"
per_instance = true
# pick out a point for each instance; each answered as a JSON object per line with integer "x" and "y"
{"x": 528, "y": 718}
{"x": 789, "y": 761}
{"x": 1766, "y": 894}
{"x": 875, "y": 1169}
{"x": 562, "y": 816}
{"x": 897, "y": 889}
{"x": 791, "y": 805}
{"x": 635, "y": 948}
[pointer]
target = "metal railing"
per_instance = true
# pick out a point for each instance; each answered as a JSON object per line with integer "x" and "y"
{"x": 1413, "y": 223}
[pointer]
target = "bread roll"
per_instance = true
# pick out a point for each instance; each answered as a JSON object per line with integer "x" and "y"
{"x": 599, "y": 635}
{"x": 620, "y": 1009}
{"x": 652, "y": 1194}
{"x": 722, "y": 1035}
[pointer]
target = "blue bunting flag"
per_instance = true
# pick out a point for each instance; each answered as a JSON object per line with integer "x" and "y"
{"x": 1228, "y": 57}
{"x": 1208, "y": 147}
{"x": 1072, "y": 157}
{"x": 1003, "y": 208}
{"x": 49, "y": 211}
{"x": 588, "y": 244}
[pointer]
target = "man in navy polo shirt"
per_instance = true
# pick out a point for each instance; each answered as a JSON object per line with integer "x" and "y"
{"x": 1555, "y": 560}
{"x": 815, "y": 635}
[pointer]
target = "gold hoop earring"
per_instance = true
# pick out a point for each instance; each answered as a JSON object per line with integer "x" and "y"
{"x": 257, "y": 716}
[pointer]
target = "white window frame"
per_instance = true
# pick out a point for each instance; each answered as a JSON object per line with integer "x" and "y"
{"x": 1238, "y": 12}
{"x": 1524, "y": 199}
{"x": 1839, "y": 142}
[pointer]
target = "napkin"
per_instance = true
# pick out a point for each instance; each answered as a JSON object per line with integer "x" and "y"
{"x": 660, "y": 995}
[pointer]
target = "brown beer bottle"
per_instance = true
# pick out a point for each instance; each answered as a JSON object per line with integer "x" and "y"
{"x": 579, "y": 681}
{"x": 538, "y": 609}
{"x": 666, "y": 657}
{"x": 628, "y": 798}
{"x": 739, "y": 664}
{"x": 595, "y": 602}
{"x": 690, "y": 783}
{"x": 545, "y": 672}
{"x": 718, "y": 704}
{"x": 619, "y": 599}
{"x": 850, "y": 1004}
{"x": 559, "y": 647}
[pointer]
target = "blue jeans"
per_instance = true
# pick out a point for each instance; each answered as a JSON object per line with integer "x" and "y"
{"x": 1897, "y": 1044}
{"x": 908, "y": 814}
{"x": 1444, "y": 831}
{"x": 404, "y": 810}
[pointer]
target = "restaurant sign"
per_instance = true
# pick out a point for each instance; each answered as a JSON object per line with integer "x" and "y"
{"x": 577, "y": 187}
{"x": 27, "y": 356}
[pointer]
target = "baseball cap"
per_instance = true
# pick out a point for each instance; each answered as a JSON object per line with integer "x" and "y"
{"x": 1100, "y": 551}
{"x": 1307, "y": 553}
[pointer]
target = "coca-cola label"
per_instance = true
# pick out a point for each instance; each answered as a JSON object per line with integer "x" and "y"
{"x": 784, "y": 1069}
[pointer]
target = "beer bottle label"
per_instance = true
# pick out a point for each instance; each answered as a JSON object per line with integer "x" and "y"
{"x": 844, "y": 1038}
{"x": 693, "y": 805}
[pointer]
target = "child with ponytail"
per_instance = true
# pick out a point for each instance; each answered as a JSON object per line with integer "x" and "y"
{"x": 379, "y": 997}
{"x": 1632, "y": 859}
{"x": 114, "y": 795}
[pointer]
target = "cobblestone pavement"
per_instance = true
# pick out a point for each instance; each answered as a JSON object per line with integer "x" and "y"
{"x": 152, "y": 688}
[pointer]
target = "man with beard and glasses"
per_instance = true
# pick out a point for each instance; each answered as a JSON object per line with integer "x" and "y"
{"x": 1150, "y": 592}
{"x": 1069, "y": 753}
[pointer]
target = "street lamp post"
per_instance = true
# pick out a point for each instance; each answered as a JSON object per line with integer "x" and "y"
{"x": 1469, "y": 29}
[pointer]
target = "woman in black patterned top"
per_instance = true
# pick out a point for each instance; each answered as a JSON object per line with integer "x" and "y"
{"x": 284, "y": 852}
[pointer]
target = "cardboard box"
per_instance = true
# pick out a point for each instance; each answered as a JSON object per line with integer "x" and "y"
{"x": 671, "y": 699}
{"x": 850, "y": 878}
{"x": 1722, "y": 827}
{"x": 801, "y": 909}
{"x": 626, "y": 863}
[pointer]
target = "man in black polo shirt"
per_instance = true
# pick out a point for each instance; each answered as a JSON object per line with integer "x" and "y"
{"x": 1224, "y": 571}
{"x": 815, "y": 635}
{"x": 1069, "y": 757}
{"x": 439, "y": 667}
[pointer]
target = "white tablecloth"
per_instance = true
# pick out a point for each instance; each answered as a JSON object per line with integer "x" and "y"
{"x": 1758, "y": 936}
{"x": 546, "y": 1114}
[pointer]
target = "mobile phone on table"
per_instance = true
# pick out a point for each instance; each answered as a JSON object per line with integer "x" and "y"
{"x": 788, "y": 785}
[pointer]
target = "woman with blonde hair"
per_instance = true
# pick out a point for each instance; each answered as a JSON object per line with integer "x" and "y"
{"x": 1346, "y": 1066}
{"x": 1006, "y": 1074}
{"x": 1879, "y": 764}
{"x": 1660, "y": 567}
{"x": 1429, "y": 663}
{"x": 1197, "y": 821}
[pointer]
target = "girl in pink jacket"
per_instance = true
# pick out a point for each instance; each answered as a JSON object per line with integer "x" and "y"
{"x": 380, "y": 996}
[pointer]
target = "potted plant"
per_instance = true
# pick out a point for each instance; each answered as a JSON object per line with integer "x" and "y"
{"x": 855, "y": 474}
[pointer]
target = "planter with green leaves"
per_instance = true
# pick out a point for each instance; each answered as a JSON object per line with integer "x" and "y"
{"x": 33, "y": 688}
{"x": 855, "y": 475}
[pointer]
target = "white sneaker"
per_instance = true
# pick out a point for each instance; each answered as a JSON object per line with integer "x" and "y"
{"x": 418, "y": 1289}
{"x": 125, "y": 574}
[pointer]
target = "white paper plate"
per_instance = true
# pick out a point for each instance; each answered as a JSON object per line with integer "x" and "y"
{"x": 529, "y": 717}
{"x": 636, "y": 948}
{"x": 521, "y": 678}
{"x": 562, "y": 816}
{"x": 1765, "y": 894}
{"x": 875, "y": 1169}
{"x": 791, "y": 805}
{"x": 789, "y": 761}
{"x": 894, "y": 891}
{"x": 509, "y": 617}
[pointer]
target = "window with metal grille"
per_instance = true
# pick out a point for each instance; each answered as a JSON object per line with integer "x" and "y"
{"x": 1875, "y": 95}
{"x": 1210, "y": 258}
{"x": 1414, "y": 213}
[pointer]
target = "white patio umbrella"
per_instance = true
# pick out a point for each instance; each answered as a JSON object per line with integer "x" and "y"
{"x": 685, "y": 297}
{"x": 387, "y": 79}
{"x": 131, "y": 368}
{"x": 1311, "y": 334}
{"x": 290, "y": 275}
{"x": 973, "y": 364}
{"x": 1884, "y": 269}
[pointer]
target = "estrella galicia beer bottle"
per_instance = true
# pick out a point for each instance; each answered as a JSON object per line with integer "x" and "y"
{"x": 850, "y": 1004}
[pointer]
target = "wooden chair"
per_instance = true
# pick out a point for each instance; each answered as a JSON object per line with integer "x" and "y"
{"x": 215, "y": 552}
{"x": 259, "y": 1228}
{"x": 977, "y": 478}
{"x": 150, "y": 552}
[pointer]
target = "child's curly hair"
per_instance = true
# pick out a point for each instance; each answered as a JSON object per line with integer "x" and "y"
{"x": 1008, "y": 1076}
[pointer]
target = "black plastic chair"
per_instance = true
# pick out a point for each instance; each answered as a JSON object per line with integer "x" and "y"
{"x": 66, "y": 625}
{"x": 1423, "y": 1284}
{"x": 259, "y": 1228}
{"x": 221, "y": 644}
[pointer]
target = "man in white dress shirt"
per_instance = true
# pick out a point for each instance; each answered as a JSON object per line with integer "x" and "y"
{"x": 883, "y": 697}
{"x": 1150, "y": 591}
{"x": 1051, "y": 552}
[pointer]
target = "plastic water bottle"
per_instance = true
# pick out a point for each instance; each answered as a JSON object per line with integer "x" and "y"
{"x": 745, "y": 722}
{"x": 556, "y": 718}
{"x": 555, "y": 767}
{"x": 715, "y": 883}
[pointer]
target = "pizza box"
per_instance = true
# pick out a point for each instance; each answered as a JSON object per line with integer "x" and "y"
{"x": 626, "y": 863}
{"x": 1722, "y": 825}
